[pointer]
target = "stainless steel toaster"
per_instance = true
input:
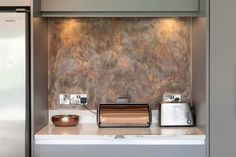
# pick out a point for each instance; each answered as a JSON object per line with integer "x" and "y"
{"x": 124, "y": 115}
{"x": 176, "y": 114}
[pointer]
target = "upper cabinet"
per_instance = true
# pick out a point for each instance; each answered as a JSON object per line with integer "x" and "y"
{"x": 14, "y": 3}
{"x": 119, "y": 7}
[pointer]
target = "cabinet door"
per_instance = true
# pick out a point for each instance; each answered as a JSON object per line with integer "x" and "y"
{"x": 222, "y": 78}
{"x": 10, "y": 3}
{"x": 119, "y": 5}
{"x": 119, "y": 151}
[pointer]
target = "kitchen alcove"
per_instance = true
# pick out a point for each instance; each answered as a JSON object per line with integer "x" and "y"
{"x": 42, "y": 103}
{"x": 198, "y": 90}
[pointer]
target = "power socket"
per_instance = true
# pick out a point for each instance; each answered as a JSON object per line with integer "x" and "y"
{"x": 74, "y": 99}
{"x": 78, "y": 99}
{"x": 171, "y": 97}
{"x": 64, "y": 99}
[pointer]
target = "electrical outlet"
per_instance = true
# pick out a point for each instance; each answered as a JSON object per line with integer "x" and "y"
{"x": 64, "y": 99}
{"x": 172, "y": 97}
{"x": 78, "y": 99}
{"x": 74, "y": 99}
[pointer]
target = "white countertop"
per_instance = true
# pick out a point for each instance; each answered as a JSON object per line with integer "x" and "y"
{"x": 90, "y": 134}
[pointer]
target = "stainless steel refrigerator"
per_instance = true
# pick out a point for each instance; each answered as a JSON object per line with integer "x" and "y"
{"x": 14, "y": 85}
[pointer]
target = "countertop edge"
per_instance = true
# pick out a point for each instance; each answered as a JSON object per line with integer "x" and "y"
{"x": 90, "y": 134}
{"x": 120, "y": 139}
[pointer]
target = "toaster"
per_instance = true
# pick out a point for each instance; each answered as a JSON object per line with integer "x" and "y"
{"x": 176, "y": 114}
{"x": 124, "y": 115}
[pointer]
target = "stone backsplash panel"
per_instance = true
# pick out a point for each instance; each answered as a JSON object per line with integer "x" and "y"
{"x": 106, "y": 58}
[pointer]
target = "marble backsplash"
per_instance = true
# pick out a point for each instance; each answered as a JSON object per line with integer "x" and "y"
{"x": 111, "y": 57}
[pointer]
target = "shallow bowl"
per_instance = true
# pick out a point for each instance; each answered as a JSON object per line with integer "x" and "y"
{"x": 65, "y": 120}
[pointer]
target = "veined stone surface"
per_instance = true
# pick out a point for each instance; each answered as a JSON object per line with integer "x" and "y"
{"x": 106, "y": 58}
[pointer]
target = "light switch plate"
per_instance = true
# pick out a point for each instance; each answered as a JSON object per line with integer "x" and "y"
{"x": 64, "y": 99}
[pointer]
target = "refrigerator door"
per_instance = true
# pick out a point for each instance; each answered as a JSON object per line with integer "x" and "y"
{"x": 13, "y": 71}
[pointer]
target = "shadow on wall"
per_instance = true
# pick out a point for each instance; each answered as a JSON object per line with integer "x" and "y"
{"x": 110, "y": 57}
